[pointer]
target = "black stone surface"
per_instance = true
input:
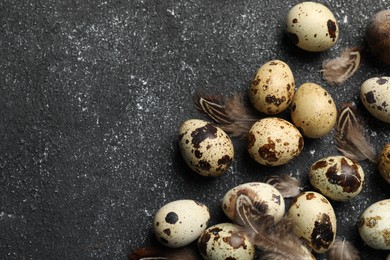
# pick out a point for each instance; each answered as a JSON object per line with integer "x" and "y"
{"x": 91, "y": 97}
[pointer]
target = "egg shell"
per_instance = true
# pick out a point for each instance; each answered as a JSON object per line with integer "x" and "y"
{"x": 257, "y": 198}
{"x": 272, "y": 88}
{"x": 375, "y": 96}
{"x": 337, "y": 177}
{"x": 314, "y": 220}
{"x": 206, "y": 148}
{"x": 274, "y": 141}
{"x": 384, "y": 162}
{"x": 374, "y": 225}
{"x": 312, "y": 26}
{"x": 180, "y": 222}
{"x": 222, "y": 241}
{"x": 313, "y": 110}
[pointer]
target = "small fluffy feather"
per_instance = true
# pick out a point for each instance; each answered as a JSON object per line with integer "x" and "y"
{"x": 287, "y": 185}
{"x": 336, "y": 71}
{"x": 276, "y": 240}
{"x": 230, "y": 114}
{"x": 350, "y": 138}
{"x": 343, "y": 250}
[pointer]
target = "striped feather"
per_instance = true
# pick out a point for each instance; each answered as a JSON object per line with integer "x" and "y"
{"x": 350, "y": 138}
{"x": 336, "y": 71}
{"x": 230, "y": 114}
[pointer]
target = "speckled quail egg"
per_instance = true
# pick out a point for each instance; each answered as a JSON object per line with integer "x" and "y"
{"x": 313, "y": 110}
{"x": 180, "y": 222}
{"x": 254, "y": 199}
{"x": 375, "y": 96}
{"x": 374, "y": 225}
{"x": 312, "y": 26}
{"x": 337, "y": 177}
{"x": 274, "y": 141}
{"x": 222, "y": 241}
{"x": 272, "y": 88}
{"x": 314, "y": 220}
{"x": 384, "y": 162}
{"x": 206, "y": 148}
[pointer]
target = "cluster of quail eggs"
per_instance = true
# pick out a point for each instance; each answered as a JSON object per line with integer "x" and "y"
{"x": 272, "y": 141}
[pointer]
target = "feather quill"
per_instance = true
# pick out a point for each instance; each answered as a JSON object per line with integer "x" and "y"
{"x": 337, "y": 70}
{"x": 276, "y": 240}
{"x": 343, "y": 250}
{"x": 230, "y": 114}
{"x": 158, "y": 253}
{"x": 350, "y": 138}
{"x": 287, "y": 185}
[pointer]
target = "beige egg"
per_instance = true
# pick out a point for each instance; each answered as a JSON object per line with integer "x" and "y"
{"x": 313, "y": 110}
{"x": 272, "y": 88}
{"x": 374, "y": 225}
{"x": 375, "y": 96}
{"x": 224, "y": 241}
{"x": 337, "y": 177}
{"x": 314, "y": 220}
{"x": 312, "y": 26}
{"x": 180, "y": 222}
{"x": 206, "y": 148}
{"x": 384, "y": 162}
{"x": 254, "y": 199}
{"x": 274, "y": 141}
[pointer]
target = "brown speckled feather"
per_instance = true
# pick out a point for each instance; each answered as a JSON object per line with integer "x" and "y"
{"x": 230, "y": 114}
{"x": 287, "y": 185}
{"x": 336, "y": 71}
{"x": 350, "y": 138}
{"x": 276, "y": 240}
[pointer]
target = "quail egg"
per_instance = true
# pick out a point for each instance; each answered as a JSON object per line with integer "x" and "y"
{"x": 337, "y": 177}
{"x": 314, "y": 220}
{"x": 206, "y": 148}
{"x": 313, "y": 110}
{"x": 384, "y": 162}
{"x": 375, "y": 96}
{"x": 255, "y": 199}
{"x": 180, "y": 222}
{"x": 312, "y": 26}
{"x": 224, "y": 241}
{"x": 272, "y": 88}
{"x": 374, "y": 225}
{"x": 274, "y": 141}
{"x": 377, "y": 35}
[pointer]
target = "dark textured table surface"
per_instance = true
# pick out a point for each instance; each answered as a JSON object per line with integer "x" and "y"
{"x": 91, "y": 97}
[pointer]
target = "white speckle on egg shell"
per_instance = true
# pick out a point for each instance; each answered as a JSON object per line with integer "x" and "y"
{"x": 313, "y": 110}
{"x": 222, "y": 241}
{"x": 384, "y": 162}
{"x": 257, "y": 198}
{"x": 314, "y": 220}
{"x": 337, "y": 177}
{"x": 374, "y": 225}
{"x": 272, "y": 88}
{"x": 206, "y": 148}
{"x": 180, "y": 222}
{"x": 274, "y": 141}
{"x": 375, "y": 96}
{"x": 312, "y": 26}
